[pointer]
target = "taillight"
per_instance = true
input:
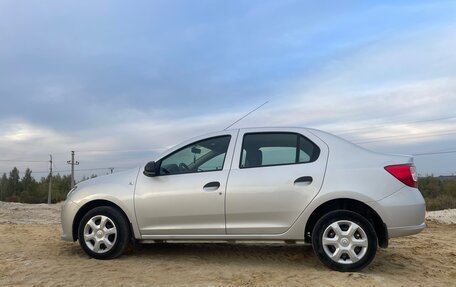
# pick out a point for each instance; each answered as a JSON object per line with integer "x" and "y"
{"x": 406, "y": 173}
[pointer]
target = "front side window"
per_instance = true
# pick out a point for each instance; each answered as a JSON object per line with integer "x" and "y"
{"x": 204, "y": 155}
{"x": 266, "y": 149}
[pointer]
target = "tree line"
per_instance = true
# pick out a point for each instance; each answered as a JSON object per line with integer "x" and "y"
{"x": 29, "y": 190}
{"x": 439, "y": 192}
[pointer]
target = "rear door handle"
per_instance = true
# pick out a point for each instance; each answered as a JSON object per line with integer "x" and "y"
{"x": 304, "y": 179}
{"x": 211, "y": 186}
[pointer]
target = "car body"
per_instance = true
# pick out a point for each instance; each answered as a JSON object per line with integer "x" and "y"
{"x": 261, "y": 184}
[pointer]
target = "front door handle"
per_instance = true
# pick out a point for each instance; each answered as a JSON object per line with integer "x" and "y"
{"x": 304, "y": 179}
{"x": 211, "y": 186}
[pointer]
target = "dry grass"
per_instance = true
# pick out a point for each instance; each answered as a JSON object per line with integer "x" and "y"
{"x": 440, "y": 202}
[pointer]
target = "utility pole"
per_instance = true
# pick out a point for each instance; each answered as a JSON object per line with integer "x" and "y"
{"x": 73, "y": 163}
{"x": 50, "y": 179}
{"x": 1, "y": 190}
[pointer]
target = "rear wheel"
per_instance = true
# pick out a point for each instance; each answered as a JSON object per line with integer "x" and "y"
{"x": 103, "y": 233}
{"x": 344, "y": 240}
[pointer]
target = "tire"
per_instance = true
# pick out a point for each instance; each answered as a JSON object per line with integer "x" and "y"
{"x": 103, "y": 233}
{"x": 344, "y": 241}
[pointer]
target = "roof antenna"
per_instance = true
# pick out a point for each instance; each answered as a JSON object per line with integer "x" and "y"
{"x": 240, "y": 119}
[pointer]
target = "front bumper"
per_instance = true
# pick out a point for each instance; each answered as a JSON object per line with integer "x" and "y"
{"x": 403, "y": 212}
{"x": 69, "y": 210}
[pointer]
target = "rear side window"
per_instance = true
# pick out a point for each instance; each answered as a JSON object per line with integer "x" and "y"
{"x": 267, "y": 149}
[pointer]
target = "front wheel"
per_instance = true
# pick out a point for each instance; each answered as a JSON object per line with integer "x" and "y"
{"x": 103, "y": 233}
{"x": 344, "y": 241}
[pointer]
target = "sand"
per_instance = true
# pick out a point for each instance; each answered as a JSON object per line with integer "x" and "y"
{"x": 20, "y": 213}
{"x": 32, "y": 254}
{"x": 447, "y": 216}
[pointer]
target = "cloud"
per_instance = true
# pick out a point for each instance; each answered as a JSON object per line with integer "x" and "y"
{"x": 406, "y": 77}
{"x": 114, "y": 82}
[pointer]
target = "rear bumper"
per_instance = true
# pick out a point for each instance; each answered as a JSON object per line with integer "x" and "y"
{"x": 69, "y": 210}
{"x": 403, "y": 212}
{"x": 404, "y": 231}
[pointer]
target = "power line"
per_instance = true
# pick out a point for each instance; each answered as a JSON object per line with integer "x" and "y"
{"x": 85, "y": 169}
{"x": 98, "y": 168}
{"x": 387, "y": 138}
{"x": 433, "y": 153}
{"x": 394, "y": 122}
{"x": 123, "y": 151}
{"x": 372, "y": 140}
{"x": 109, "y": 168}
{"x": 21, "y": 160}
{"x": 167, "y": 147}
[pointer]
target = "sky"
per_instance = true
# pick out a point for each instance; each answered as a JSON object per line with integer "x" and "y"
{"x": 120, "y": 81}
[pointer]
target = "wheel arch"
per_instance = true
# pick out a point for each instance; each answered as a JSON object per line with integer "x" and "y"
{"x": 352, "y": 205}
{"x": 91, "y": 205}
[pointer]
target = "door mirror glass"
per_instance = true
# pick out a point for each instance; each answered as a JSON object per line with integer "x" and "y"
{"x": 150, "y": 169}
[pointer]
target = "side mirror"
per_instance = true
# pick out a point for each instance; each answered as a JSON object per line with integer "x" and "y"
{"x": 150, "y": 169}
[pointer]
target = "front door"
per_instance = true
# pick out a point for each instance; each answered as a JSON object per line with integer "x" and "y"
{"x": 188, "y": 195}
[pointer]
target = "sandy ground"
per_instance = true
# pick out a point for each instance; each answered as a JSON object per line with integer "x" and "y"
{"x": 32, "y": 254}
{"x": 19, "y": 213}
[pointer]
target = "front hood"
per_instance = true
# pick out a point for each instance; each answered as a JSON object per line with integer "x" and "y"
{"x": 119, "y": 177}
{"x": 116, "y": 184}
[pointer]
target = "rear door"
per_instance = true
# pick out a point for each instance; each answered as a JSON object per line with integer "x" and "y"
{"x": 274, "y": 175}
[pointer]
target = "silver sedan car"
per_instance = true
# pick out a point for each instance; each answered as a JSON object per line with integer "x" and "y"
{"x": 295, "y": 185}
